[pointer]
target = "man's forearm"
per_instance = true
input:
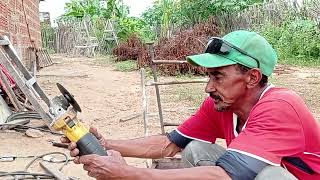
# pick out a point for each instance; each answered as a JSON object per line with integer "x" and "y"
{"x": 201, "y": 172}
{"x": 147, "y": 147}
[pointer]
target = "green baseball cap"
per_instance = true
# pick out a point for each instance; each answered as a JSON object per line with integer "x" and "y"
{"x": 250, "y": 42}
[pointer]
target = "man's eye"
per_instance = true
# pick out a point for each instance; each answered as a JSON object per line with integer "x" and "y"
{"x": 216, "y": 77}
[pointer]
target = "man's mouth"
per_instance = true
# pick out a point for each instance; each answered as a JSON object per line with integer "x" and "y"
{"x": 216, "y": 98}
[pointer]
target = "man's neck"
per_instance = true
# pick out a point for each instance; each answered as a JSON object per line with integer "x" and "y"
{"x": 250, "y": 99}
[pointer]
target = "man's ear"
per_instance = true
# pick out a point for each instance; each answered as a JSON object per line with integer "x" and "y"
{"x": 253, "y": 78}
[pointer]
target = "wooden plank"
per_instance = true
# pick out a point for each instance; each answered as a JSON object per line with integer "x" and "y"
{"x": 40, "y": 59}
{"x": 169, "y": 62}
{"x": 46, "y": 53}
{"x": 177, "y": 82}
{"x": 168, "y": 163}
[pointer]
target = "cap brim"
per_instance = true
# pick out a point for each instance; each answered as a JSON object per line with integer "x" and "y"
{"x": 209, "y": 60}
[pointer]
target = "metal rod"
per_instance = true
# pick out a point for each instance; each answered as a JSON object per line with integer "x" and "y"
{"x": 155, "y": 79}
{"x": 144, "y": 101}
{"x": 169, "y": 62}
{"x": 176, "y": 82}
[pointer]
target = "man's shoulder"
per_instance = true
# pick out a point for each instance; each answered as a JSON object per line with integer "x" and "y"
{"x": 280, "y": 102}
{"x": 276, "y": 94}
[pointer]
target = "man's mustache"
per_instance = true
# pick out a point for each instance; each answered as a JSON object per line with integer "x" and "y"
{"x": 215, "y": 97}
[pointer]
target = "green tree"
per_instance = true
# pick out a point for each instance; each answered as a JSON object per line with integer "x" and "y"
{"x": 164, "y": 14}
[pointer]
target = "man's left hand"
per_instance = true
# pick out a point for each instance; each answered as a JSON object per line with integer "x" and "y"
{"x": 105, "y": 167}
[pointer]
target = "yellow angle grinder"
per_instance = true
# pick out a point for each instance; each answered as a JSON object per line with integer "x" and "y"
{"x": 64, "y": 110}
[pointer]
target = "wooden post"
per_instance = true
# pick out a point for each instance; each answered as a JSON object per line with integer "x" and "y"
{"x": 144, "y": 101}
{"x": 154, "y": 73}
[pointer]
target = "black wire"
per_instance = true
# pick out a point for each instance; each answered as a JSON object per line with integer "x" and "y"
{"x": 35, "y": 175}
{"x": 38, "y": 157}
{"x": 25, "y": 173}
{"x": 24, "y": 115}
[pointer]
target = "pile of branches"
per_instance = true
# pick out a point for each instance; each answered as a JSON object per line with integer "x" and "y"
{"x": 182, "y": 44}
{"x": 130, "y": 49}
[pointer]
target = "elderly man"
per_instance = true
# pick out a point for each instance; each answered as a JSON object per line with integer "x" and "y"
{"x": 269, "y": 131}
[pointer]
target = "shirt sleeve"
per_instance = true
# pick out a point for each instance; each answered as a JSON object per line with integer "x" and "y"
{"x": 239, "y": 166}
{"x": 273, "y": 131}
{"x": 205, "y": 125}
{"x": 178, "y": 139}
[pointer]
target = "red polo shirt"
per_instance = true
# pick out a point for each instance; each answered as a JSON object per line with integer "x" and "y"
{"x": 279, "y": 125}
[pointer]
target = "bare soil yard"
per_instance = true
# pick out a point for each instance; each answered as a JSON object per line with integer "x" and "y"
{"x": 106, "y": 96}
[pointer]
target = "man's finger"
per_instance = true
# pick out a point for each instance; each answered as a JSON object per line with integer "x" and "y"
{"x": 87, "y": 159}
{"x": 76, "y": 160}
{"x": 86, "y": 167}
{"x": 74, "y": 152}
{"x": 92, "y": 174}
{"x": 64, "y": 140}
{"x": 94, "y": 131}
{"x": 72, "y": 146}
{"x": 113, "y": 153}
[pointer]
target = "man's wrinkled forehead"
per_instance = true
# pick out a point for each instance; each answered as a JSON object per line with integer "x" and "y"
{"x": 221, "y": 70}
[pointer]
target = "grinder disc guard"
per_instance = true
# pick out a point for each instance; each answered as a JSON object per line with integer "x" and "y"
{"x": 69, "y": 98}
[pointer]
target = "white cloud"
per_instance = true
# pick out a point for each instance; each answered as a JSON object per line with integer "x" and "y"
{"x": 137, "y": 6}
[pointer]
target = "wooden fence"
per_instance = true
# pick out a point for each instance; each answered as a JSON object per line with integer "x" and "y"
{"x": 73, "y": 34}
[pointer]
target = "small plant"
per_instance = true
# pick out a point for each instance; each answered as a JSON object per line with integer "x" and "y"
{"x": 126, "y": 66}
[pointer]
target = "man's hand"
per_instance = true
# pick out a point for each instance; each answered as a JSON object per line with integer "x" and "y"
{"x": 74, "y": 151}
{"x": 110, "y": 167}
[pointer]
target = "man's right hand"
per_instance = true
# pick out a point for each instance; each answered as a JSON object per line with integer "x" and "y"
{"x": 74, "y": 151}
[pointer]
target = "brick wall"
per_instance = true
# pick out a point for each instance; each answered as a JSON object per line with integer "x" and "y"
{"x": 14, "y": 25}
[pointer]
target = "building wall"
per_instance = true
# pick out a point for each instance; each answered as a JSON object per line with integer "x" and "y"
{"x": 14, "y": 24}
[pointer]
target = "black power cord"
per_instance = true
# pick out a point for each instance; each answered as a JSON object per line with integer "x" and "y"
{"x": 35, "y": 175}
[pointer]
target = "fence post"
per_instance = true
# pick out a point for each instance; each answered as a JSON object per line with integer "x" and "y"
{"x": 155, "y": 79}
{"x": 144, "y": 101}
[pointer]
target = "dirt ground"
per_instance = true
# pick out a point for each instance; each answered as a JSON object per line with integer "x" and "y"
{"x": 107, "y": 97}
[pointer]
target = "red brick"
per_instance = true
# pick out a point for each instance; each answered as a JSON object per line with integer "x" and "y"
{"x": 13, "y": 23}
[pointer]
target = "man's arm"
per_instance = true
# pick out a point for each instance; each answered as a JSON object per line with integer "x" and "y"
{"x": 147, "y": 147}
{"x": 114, "y": 167}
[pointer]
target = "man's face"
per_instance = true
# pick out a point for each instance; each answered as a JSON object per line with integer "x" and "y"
{"x": 226, "y": 86}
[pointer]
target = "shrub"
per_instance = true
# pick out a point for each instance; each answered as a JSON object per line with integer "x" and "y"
{"x": 296, "y": 41}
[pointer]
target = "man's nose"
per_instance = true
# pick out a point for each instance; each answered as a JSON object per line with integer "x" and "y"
{"x": 210, "y": 86}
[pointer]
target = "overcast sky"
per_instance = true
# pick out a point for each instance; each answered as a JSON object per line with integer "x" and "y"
{"x": 56, "y": 7}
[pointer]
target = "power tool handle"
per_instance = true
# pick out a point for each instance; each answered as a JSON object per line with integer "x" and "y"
{"x": 89, "y": 144}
